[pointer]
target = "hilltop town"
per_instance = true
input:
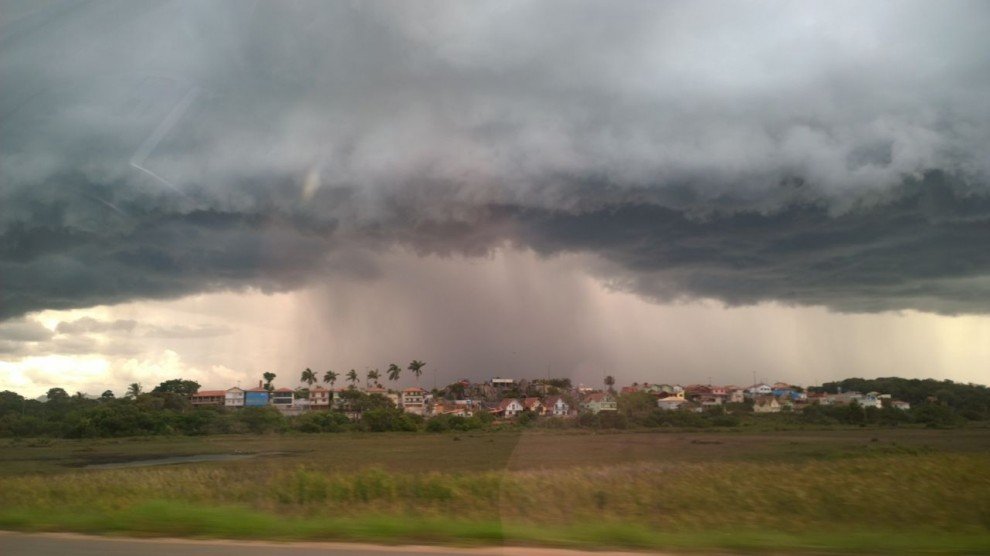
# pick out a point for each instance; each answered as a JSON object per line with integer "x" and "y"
{"x": 509, "y": 398}
{"x": 322, "y": 404}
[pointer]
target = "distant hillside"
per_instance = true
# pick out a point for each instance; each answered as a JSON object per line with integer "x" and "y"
{"x": 956, "y": 395}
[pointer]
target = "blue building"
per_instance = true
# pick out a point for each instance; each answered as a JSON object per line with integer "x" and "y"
{"x": 256, "y": 397}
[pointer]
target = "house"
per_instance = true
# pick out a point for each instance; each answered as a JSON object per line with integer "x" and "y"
{"x": 651, "y": 388}
{"x": 556, "y": 406}
{"x": 395, "y": 398}
{"x": 871, "y": 399}
{"x": 499, "y": 382}
{"x": 671, "y": 403}
{"x": 596, "y": 402}
{"x": 381, "y": 391}
{"x": 319, "y": 397}
{"x": 736, "y": 395}
{"x": 766, "y": 404}
{"x": 509, "y": 408}
{"x": 760, "y": 389}
{"x": 669, "y": 395}
{"x": 902, "y": 405}
{"x": 256, "y": 397}
{"x": 534, "y": 405}
{"x": 283, "y": 397}
{"x": 234, "y": 397}
{"x": 444, "y": 407}
{"x": 816, "y": 398}
{"x": 205, "y": 398}
{"x": 414, "y": 400}
{"x": 842, "y": 398}
{"x": 693, "y": 391}
{"x": 710, "y": 401}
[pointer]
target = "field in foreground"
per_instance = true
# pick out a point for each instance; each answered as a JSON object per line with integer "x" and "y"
{"x": 859, "y": 490}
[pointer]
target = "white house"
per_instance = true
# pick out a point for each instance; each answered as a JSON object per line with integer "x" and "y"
{"x": 761, "y": 389}
{"x": 557, "y": 407}
{"x": 871, "y": 399}
{"x": 233, "y": 397}
{"x": 766, "y": 404}
{"x": 319, "y": 397}
{"x": 414, "y": 400}
{"x": 509, "y": 407}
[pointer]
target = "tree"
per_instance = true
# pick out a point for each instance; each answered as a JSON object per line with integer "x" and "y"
{"x": 330, "y": 377}
{"x": 393, "y": 372}
{"x": 416, "y": 367}
{"x": 308, "y": 376}
{"x": 57, "y": 394}
{"x": 177, "y": 386}
{"x": 107, "y": 395}
{"x": 269, "y": 377}
{"x": 133, "y": 391}
{"x": 374, "y": 374}
{"x": 352, "y": 376}
{"x": 610, "y": 382}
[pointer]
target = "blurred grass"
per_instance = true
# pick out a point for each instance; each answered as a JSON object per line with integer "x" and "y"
{"x": 176, "y": 519}
{"x": 938, "y": 501}
{"x": 485, "y": 451}
{"x": 845, "y": 491}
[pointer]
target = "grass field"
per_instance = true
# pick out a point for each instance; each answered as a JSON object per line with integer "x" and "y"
{"x": 891, "y": 490}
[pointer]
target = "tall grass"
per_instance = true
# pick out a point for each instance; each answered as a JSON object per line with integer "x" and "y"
{"x": 932, "y": 492}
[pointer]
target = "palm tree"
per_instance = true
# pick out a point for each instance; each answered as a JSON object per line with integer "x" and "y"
{"x": 330, "y": 377}
{"x": 269, "y": 377}
{"x": 610, "y": 382}
{"x": 393, "y": 372}
{"x": 308, "y": 376}
{"x": 417, "y": 368}
{"x": 374, "y": 374}
{"x": 353, "y": 377}
{"x": 134, "y": 390}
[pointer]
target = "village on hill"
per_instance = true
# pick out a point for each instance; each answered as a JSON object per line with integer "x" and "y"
{"x": 509, "y": 398}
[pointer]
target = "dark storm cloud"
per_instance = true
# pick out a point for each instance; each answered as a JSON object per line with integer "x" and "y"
{"x": 828, "y": 154}
{"x": 24, "y": 331}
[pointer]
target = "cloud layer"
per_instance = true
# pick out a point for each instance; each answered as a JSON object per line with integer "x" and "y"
{"x": 830, "y": 154}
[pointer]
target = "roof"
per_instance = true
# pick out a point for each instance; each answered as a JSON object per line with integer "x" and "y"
{"x": 235, "y": 388}
{"x": 504, "y": 403}
{"x": 598, "y": 397}
{"x": 284, "y": 390}
{"x": 211, "y": 393}
{"x": 531, "y": 402}
{"x": 318, "y": 389}
{"x": 413, "y": 390}
{"x": 257, "y": 389}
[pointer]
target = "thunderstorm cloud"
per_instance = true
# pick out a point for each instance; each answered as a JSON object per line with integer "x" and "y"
{"x": 831, "y": 153}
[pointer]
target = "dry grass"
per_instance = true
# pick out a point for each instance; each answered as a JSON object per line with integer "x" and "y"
{"x": 864, "y": 489}
{"x": 949, "y": 492}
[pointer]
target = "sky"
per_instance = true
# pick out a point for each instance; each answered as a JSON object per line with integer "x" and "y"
{"x": 670, "y": 192}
